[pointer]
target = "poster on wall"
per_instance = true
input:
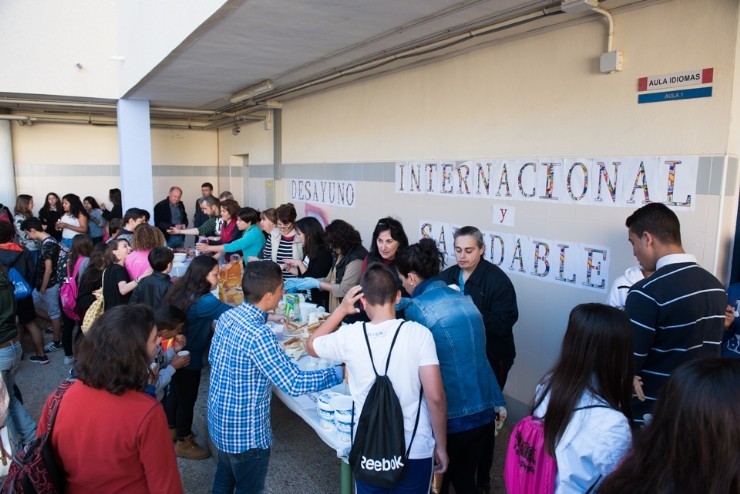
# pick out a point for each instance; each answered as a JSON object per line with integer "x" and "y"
{"x": 330, "y": 192}
{"x": 630, "y": 181}
{"x": 573, "y": 264}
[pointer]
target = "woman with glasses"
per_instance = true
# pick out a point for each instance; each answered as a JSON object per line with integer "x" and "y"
{"x": 389, "y": 238}
{"x": 288, "y": 245}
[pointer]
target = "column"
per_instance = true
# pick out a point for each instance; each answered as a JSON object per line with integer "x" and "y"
{"x": 135, "y": 154}
{"x": 7, "y": 170}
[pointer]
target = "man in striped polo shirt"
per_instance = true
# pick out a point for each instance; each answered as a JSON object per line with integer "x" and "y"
{"x": 677, "y": 313}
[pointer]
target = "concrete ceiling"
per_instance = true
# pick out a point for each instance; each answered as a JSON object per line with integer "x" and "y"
{"x": 310, "y": 46}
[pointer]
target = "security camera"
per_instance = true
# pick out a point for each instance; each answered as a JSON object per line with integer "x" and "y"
{"x": 236, "y": 130}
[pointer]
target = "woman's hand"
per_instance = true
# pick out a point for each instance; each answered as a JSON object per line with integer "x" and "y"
{"x": 204, "y": 248}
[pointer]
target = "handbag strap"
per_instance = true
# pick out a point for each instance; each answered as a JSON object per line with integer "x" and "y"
{"x": 56, "y": 400}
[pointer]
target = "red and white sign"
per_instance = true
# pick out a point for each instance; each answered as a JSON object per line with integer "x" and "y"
{"x": 677, "y": 79}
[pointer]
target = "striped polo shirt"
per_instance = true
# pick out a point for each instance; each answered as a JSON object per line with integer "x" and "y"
{"x": 677, "y": 315}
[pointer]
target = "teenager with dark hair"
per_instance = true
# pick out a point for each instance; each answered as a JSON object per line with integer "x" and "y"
{"x": 413, "y": 366}
{"x": 46, "y": 292}
{"x": 152, "y": 289}
{"x": 116, "y": 211}
{"x": 91, "y": 279}
{"x": 97, "y": 221}
{"x": 50, "y": 213}
{"x": 78, "y": 260}
{"x": 250, "y": 242}
{"x": 74, "y": 220}
{"x": 246, "y": 361}
{"x": 345, "y": 242}
{"x": 677, "y": 314}
{"x": 10, "y": 359}
{"x": 473, "y": 395}
{"x": 191, "y": 293}
{"x": 24, "y": 211}
{"x": 117, "y": 285}
{"x": 15, "y": 256}
{"x": 670, "y": 457}
{"x": 113, "y": 368}
{"x": 317, "y": 258}
{"x": 585, "y": 400}
{"x": 494, "y": 296}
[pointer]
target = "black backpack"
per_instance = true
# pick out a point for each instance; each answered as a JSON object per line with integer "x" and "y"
{"x": 379, "y": 454}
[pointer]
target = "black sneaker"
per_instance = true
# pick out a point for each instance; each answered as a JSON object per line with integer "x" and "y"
{"x": 43, "y": 360}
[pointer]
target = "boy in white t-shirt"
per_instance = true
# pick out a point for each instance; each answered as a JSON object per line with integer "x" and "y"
{"x": 413, "y": 364}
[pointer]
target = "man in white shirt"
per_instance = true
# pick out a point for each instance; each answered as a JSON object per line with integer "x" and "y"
{"x": 413, "y": 364}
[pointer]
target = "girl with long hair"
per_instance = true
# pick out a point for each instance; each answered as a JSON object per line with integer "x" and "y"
{"x": 116, "y": 210}
{"x": 91, "y": 279}
{"x": 24, "y": 211}
{"x": 691, "y": 445}
{"x": 317, "y": 258}
{"x": 117, "y": 285}
{"x": 146, "y": 237}
{"x": 459, "y": 337}
{"x": 191, "y": 293}
{"x": 50, "y": 213}
{"x": 585, "y": 401}
{"x": 79, "y": 258}
{"x": 124, "y": 446}
{"x": 74, "y": 221}
{"x": 97, "y": 222}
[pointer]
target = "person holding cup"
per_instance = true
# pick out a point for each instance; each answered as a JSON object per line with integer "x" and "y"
{"x": 170, "y": 355}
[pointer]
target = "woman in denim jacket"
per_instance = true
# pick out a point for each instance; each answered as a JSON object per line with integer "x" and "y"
{"x": 473, "y": 394}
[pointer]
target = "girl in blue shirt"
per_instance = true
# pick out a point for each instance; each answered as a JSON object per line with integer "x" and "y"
{"x": 251, "y": 242}
{"x": 192, "y": 294}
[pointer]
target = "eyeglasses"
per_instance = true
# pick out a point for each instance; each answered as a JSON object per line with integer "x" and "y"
{"x": 384, "y": 225}
{"x": 284, "y": 226}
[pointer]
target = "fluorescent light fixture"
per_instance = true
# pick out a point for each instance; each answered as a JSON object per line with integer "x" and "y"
{"x": 252, "y": 91}
{"x": 578, "y": 5}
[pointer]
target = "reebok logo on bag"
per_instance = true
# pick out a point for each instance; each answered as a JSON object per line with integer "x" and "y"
{"x": 379, "y": 453}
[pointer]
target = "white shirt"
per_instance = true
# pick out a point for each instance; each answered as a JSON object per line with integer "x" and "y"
{"x": 621, "y": 286}
{"x": 70, "y": 220}
{"x": 591, "y": 447}
{"x": 414, "y": 348}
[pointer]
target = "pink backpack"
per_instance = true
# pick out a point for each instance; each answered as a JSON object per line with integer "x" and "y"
{"x": 68, "y": 293}
{"x": 529, "y": 469}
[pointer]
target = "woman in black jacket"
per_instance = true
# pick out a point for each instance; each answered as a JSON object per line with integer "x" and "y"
{"x": 317, "y": 259}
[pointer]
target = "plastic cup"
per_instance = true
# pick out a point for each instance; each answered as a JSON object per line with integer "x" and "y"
{"x": 183, "y": 353}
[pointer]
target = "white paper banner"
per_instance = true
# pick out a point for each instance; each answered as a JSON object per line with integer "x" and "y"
{"x": 573, "y": 264}
{"x": 608, "y": 181}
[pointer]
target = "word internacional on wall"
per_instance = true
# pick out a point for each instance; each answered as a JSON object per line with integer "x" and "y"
{"x": 612, "y": 181}
{"x": 570, "y": 264}
{"x": 330, "y": 192}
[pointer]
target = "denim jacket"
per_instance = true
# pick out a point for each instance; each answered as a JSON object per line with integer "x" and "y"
{"x": 460, "y": 338}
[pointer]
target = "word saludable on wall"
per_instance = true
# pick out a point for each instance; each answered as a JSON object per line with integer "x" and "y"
{"x": 572, "y": 264}
{"x": 330, "y": 192}
{"x": 611, "y": 181}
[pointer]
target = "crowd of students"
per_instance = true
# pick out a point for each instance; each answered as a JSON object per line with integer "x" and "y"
{"x": 451, "y": 330}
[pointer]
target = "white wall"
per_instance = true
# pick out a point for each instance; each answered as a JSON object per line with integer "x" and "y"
{"x": 537, "y": 97}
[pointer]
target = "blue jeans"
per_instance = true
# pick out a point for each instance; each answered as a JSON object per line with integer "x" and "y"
{"x": 244, "y": 472}
{"x": 21, "y": 421}
{"x": 175, "y": 241}
{"x": 416, "y": 480}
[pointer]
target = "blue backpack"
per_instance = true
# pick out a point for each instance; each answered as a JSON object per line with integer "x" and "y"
{"x": 22, "y": 289}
